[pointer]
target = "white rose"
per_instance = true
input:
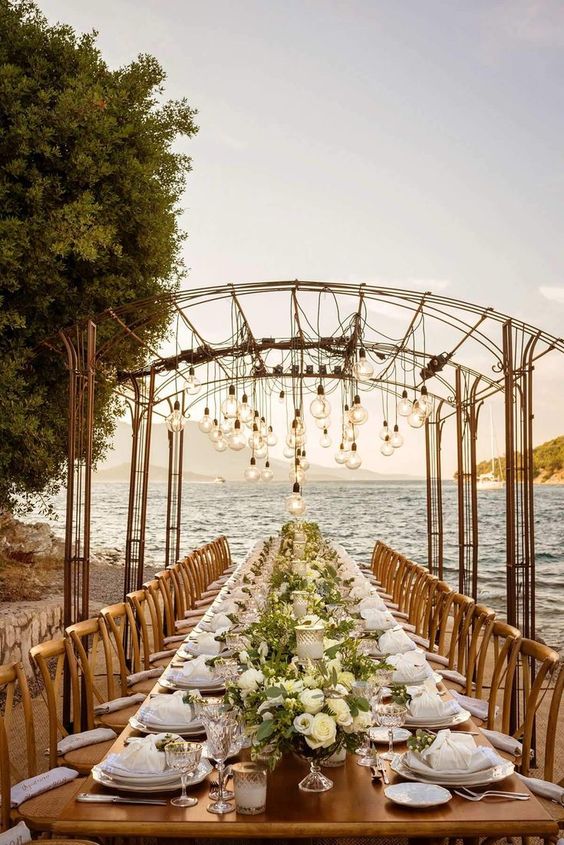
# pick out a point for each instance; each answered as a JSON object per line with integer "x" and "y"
{"x": 362, "y": 721}
{"x": 267, "y": 715}
{"x": 340, "y": 709}
{"x": 243, "y": 656}
{"x": 323, "y": 731}
{"x": 346, "y": 678}
{"x": 292, "y": 686}
{"x": 250, "y": 679}
{"x": 312, "y": 700}
{"x": 303, "y": 723}
{"x": 263, "y": 649}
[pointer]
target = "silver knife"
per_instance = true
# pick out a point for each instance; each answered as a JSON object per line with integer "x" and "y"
{"x": 116, "y": 799}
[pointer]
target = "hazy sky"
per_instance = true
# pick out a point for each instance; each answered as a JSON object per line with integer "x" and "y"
{"x": 399, "y": 141}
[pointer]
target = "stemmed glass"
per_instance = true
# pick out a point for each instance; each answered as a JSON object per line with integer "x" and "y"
{"x": 390, "y": 716}
{"x": 220, "y": 733}
{"x": 365, "y": 689}
{"x": 185, "y": 758}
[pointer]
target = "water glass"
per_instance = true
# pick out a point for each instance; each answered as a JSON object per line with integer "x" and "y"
{"x": 249, "y": 783}
{"x": 185, "y": 758}
{"x": 390, "y": 716}
{"x": 220, "y": 734}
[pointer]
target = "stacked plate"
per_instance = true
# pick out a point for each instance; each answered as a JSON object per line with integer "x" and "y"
{"x": 173, "y": 680}
{"x": 451, "y": 778}
{"x": 438, "y": 723}
{"x": 146, "y": 724}
{"x": 112, "y": 775}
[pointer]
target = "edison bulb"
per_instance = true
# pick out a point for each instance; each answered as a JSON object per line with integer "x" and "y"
{"x": 320, "y": 407}
{"x": 267, "y": 474}
{"x": 295, "y": 504}
{"x": 230, "y": 407}
{"x": 221, "y": 444}
{"x": 289, "y": 452}
{"x": 193, "y": 383}
{"x": 206, "y": 424}
{"x": 296, "y": 474}
{"x": 405, "y": 405}
{"x": 363, "y": 368}
{"x": 245, "y": 412}
{"x": 416, "y": 419}
{"x": 386, "y": 448}
{"x": 354, "y": 460}
{"x": 252, "y": 473}
{"x": 255, "y": 440}
{"x": 271, "y": 437}
{"x": 262, "y": 451}
{"x": 304, "y": 463}
{"x": 236, "y": 440}
{"x": 342, "y": 454}
{"x": 323, "y": 423}
{"x": 384, "y": 431}
{"x": 281, "y": 397}
{"x": 358, "y": 414}
{"x": 215, "y": 433}
{"x": 396, "y": 438}
{"x": 425, "y": 402}
{"x": 325, "y": 440}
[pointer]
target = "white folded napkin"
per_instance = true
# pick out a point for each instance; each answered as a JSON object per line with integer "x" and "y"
{"x": 427, "y": 704}
{"x": 504, "y": 742}
{"x": 81, "y": 740}
{"x": 206, "y": 644}
{"x": 17, "y": 835}
{"x": 196, "y": 670}
{"x": 360, "y": 589}
{"x": 163, "y": 709}
{"x": 159, "y": 655}
{"x": 450, "y": 751}
{"x": 454, "y": 676}
{"x": 544, "y": 788}
{"x": 436, "y": 658}
{"x": 29, "y": 788}
{"x": 395, "y": 641}
{"x": 220, "y": 622}
{"x": 140, "y": 755}
{"x": 409, "y": 667}
{"x": 147, "y": 675}
{"x": 119, "y": 703}
{"x": 476, "y": 706}
{"x": 453, "y": 761}
{"x": 228, "y": 606}
{"x": 377, "y": 620}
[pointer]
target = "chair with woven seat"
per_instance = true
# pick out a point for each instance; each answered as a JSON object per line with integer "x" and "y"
{"x": 95, "y": 665}
{"x": 51, "y": 658}
{"x": 17, "y": 725}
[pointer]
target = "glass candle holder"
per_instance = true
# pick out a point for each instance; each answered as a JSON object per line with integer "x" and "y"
{"x": 300, "y": 603}
{"x": 309, "y": 641}
{"x": 249, "y": 785}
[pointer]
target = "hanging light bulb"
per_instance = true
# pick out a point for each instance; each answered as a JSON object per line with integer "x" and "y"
{"x": 405, "y": 405}
{"x": 220, "y": 445}
{"x": 384, "y": 431}
{"x": 347, "y": 413}
{"x": 271, "y": 437}
{"x": 386, "y": 448}
{"x": 349, "y": 434}
{"x": 289, "y": 451}
{"x": 227, "y": 426}
{"x": 215, "y": 433}
{"x": 294, "y": 437}
{"x": 281, "y": 397}
{"x": 342, "y": 454}
{"x": 358, "y": 414}
{"x": 320, "y": 407}
{"x": 304, "y": 463}
{"x": 325, "y": 440}
{"x": 267, "y": 474}
{"x": 396, "y": 438}
{"x": 425, "y": 402}
{"x": 416, "y": 417}
{"x": 176, "y": 420}
{"x": 245, "y": 412}
{"x": 300, "y": 427}
{"x": 295, "y": 504}
{"x": 323, "y": 423}
{"x": 263, "y": 428}
{"x": 363, "y": 369}
{"x": 261, "y": 451}
{"x": 354, "y": 460}
{"x": 236, "y": 440}
{"x": 296, "y": 473}
{"x": 193, "y": 383}
{"x": 205, "y": 425}
{"x": 230, "y": 407}
{"x": 252, "y": 473}
{"x": 255, "y": 440}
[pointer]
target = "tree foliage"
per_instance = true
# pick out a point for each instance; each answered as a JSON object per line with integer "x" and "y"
{"x": 90, "y": 181}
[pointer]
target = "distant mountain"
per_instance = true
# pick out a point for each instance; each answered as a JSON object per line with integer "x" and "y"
{"x": 203, "y": 463}
{"x": 548, "y": 462}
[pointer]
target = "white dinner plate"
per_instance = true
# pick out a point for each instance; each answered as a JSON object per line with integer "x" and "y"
{"x": 191, "y": 648}
{"x": 418, "y": 795}
{"x": 192, "y": 729}
{"x": 201, "y": 773}
{"x": 380, "y": 735}
{"x": 441, "y": 723}
{"x": 484, "y": 778}
{"x": 203, "y": 686}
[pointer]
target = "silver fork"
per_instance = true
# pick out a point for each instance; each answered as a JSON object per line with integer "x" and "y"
{"x": 491, "y": 793}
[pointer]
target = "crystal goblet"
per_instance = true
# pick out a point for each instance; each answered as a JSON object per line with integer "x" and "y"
{"x": 390, "y": 716}
{"x": 220, "y": 733}
{"x": 185, "y": 758}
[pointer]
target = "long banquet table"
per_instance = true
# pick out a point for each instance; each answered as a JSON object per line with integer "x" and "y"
{"x": 355, "y": 807}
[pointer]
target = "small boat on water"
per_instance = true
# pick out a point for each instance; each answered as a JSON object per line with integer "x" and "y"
{"x": 219, "y": 479}
{"x": 492, "y": 480}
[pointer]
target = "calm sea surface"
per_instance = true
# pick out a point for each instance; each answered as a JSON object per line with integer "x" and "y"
{"x": 356, "y": 515}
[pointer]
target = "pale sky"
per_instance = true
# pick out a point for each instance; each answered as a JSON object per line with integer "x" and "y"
{"x": 408, "y": 142}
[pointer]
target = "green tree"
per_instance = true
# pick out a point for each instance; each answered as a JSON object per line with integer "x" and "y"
{"x": 90, "y": 183}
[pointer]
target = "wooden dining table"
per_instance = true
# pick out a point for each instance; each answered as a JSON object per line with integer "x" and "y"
{"x": 356, "y": 806}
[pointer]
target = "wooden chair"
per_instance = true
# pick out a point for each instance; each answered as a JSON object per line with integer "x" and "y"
{"x": 17, "y": 725}
{"x": 495, "y": 674}
{"x": 50, "y": 659}
{"x": 121, "y": 624}
{"x": 148, "y": 623}
{"x": 95, "y": 666}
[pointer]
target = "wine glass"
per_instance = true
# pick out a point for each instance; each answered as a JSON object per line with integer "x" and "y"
{"x": 220, "y": 733}
{"x": 365, "y": 752}
{"x": 185, "y": 758}
{"x": 390, "y": 716}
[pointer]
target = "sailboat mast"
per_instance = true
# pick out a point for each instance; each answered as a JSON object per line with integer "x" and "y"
{"x": 492, "y": 442}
